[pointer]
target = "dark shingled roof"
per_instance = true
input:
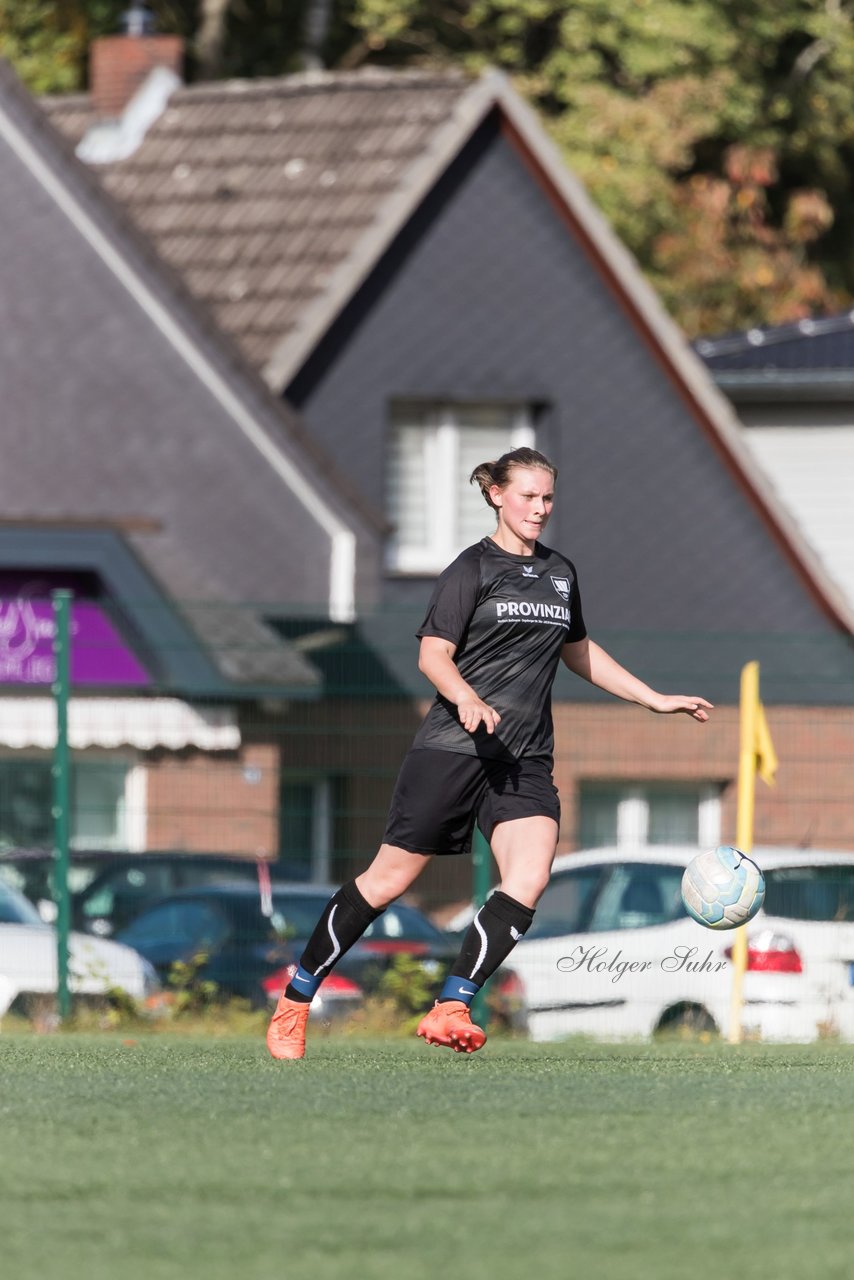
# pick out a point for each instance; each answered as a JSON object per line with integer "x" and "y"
{"x": 128, "y": 410}
{"x": 826, "y": 343}
{"x": 256, "y": 190}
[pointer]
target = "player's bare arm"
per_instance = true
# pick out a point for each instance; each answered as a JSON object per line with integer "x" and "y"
{"x": 436, "y": 661}
{"x": 590, "y": 661}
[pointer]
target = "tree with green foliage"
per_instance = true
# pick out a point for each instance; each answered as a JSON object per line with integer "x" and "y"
{"x": 717, "y": 136}
{"x": 49, "y": 43}
{"x": 43, "y": 44}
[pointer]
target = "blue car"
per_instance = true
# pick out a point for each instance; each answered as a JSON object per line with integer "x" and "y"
{"x": 248, "y": 939}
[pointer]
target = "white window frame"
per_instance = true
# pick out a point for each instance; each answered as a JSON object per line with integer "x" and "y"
{"x": 443, "y": 444}
{"x": 633, "y": 812}
{"x": 132, "y": 815}
{"x": 136, "y": 808}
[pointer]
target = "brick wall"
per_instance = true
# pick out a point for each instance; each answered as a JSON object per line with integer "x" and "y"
{"x": 231, "y": 803}
{"x": 215, "y": 803}
{"x": 811, "y": 804}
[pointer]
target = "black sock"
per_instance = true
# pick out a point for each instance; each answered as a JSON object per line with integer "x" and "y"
{"x": 344, "y": 919}
{"x": 491, "y": 936}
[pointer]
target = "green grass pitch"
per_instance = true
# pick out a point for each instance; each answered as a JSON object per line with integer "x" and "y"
{"x": 174, "y": 1157}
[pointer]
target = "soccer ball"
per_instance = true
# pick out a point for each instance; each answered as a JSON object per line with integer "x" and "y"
{"x": 722, "y": 888}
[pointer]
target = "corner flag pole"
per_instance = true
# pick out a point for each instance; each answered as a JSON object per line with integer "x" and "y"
{"x": 756, "y": 754}
{"x": 61, "y": 796}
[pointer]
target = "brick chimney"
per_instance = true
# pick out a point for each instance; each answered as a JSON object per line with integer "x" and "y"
{"x": 119, "y": 64}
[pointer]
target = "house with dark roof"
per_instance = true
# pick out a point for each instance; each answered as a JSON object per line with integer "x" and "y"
{"x": 793, "y": 389}
{"x": 148, "y": 470}
{"x": 401, "y": 266}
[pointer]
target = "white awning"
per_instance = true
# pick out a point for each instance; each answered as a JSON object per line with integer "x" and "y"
{"x": 144, "y": 723}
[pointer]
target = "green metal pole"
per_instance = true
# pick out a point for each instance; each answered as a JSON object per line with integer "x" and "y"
{"x": 61, "y": 794}
{"x": 481, "y": 884}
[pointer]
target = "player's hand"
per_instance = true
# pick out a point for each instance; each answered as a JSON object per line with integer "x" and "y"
{"x": 474, "y": 712}
{"x": 670, "y": 703}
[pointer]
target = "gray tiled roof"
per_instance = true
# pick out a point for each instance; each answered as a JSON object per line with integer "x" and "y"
{"x": 812, "y": 358}
{"x": 255, "y": 191}
{"x": 125, "y": 408}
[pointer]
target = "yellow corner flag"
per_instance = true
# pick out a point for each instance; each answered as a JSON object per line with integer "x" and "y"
{"x": 766, "y": 756}
{"x": 756, "y": 755}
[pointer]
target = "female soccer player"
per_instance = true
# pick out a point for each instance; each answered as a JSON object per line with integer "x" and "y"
{"x": 501, "y": 617}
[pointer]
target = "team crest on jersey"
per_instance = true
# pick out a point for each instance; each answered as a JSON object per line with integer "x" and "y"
{"x": 561, "y": 585}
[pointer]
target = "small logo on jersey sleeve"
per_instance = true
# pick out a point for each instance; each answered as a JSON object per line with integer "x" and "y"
{"x": 562, "y": 586}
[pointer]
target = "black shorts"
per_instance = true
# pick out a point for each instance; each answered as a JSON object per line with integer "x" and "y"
{"x": 439, "y": 794}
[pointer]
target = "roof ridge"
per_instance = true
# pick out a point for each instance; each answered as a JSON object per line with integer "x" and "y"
{"x": 316, "y": 82}
{"x": 769, "y": 335}
{"x": 324, "y": 76}
{"x": 364, "y": 78}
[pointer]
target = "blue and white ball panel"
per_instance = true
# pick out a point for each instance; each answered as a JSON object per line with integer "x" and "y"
{"x": 722, "y": 888}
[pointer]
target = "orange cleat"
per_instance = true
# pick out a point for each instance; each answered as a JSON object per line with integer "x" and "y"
{"x": 286, "y": 1032}
{"x": 449, "y": 1023}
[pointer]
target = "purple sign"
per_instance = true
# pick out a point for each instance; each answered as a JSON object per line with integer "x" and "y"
{"x": 98, "y": 653}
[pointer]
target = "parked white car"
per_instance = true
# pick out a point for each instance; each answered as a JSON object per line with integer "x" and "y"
{"x": 612, "y": 953}
{"x": 28, "y": 961}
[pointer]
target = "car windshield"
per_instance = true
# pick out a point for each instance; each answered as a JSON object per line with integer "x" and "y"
{"x": 566, "y": 905}
{"x": 15, "y": 908}
{"x": 810, "y": 893}
{"x": 599, "y": 899}
{"x": 638, "y": 895}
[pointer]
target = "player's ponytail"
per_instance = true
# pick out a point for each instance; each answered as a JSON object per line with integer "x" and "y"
{"x": 497, "y": 473}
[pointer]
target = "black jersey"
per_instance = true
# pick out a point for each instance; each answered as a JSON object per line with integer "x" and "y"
{"x": 509, "y": 617}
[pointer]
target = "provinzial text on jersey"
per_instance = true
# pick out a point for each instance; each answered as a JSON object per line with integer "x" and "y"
{"x": 533, "y": 609}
